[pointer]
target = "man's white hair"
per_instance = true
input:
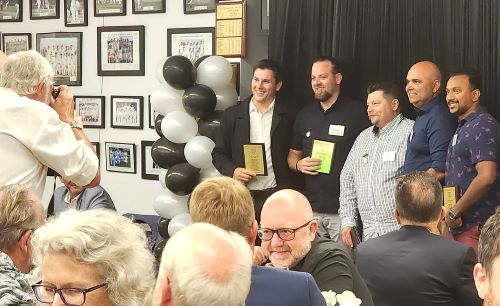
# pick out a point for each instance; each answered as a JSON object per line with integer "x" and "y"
{"x": 205, "y": 265}
{"x": 23, "y": 71}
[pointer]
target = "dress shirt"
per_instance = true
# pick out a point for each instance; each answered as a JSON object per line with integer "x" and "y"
{"x": 71, "y": 203}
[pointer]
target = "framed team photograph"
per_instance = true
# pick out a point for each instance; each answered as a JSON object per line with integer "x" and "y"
{"x": 76, "y": 13}
{"x": 120, "y": 157}
{"x": 152, "y": 114}
{"x": 91, "y": 109}
{"x": 44, "y": 9}
{"x": 150, "y": 170}
{"x": 120, "y": 51}
{"x": 192, "y": 43}
{"x": 110, "y": 8}
{"x": 148, "y": 6}
{"x": 199, "y": 6}
{"x": 97, "y": 149}
{"x": 13, "y": 42}
{"x": 11, "y": 10}
{"x": 63, "y": 50}
{"x": 127, "y": 112}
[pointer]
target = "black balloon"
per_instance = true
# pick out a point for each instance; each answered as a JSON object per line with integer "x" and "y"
{"x": 199, "y": 101}
{"x": 198, "y": 61}
{"x": 182, "y": 178}
{"x": 158, "y": 120}
{"x": 166, "y": 153}
{"x": 158, "y": 250}
{"x": 210, "y": 125}
{"x": 179, "y": 72}
{"x": 163, "y": 227}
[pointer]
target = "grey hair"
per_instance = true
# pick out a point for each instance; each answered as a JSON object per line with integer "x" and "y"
{"x": 100, "y": 237}
{"x": 24, "y": 71}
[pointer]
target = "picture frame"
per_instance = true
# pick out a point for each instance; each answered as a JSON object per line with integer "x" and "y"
{"x": 235, "y": 79}
{"x": 76, "y": 13}
{"x": 120, "y": 157}
{"x": 12, "y": 11}
{"x": 264, "y": 19}
{"x": 192, "y": 43}
{"x": 148, "y": 6}
{"x": 68, "y": 65}
{"x": 110, "y": 8}
{"x": 149, "y": 170}
{"x": 44, "y": 9}
{"x": 152, "y": 114}
{"x": 120, "y": 51}
{"x": 199, "y": 6}
{"x": 92, "y": 110}
{"x": 97, "y": 149}
{"x": 13, "y": 42}
{"x": 127, "y": 112}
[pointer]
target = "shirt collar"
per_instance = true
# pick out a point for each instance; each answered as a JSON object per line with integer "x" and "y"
{"x": 389, "y": 126}
{"x": 429, "y": 105}
{"x": 66, "y": 197}
{"x": 472, "y": 115}
{"x": 253, "y": 108}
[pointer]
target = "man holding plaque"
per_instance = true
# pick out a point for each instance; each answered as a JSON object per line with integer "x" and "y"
{"x": 254, "y": 137}
{"x": 472, "y": 167}
{"x": 323, "y": 134}
{"x": 368, "y": 179}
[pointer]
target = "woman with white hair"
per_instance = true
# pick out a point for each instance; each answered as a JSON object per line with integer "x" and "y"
{"x": 92, "y": 258}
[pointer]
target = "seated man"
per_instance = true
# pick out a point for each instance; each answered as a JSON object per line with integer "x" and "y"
{"x": 414, "y": 265}
{"x": 204, "y": 265}
{"x": 226, "y": 203}
{"x": 289, "y": 240}
{"x": 20, "y": 213}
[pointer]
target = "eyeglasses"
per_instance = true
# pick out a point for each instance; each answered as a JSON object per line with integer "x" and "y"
{"x": 69, "y": 296}
{"x": 285, "y": 234}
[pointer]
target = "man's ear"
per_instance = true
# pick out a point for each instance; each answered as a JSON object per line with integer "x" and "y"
{"x": 396, "y": 214}
{"x": 252, "y": 233}
{"x": 436, "y": 84}
{"x": 278, "y": 85}
{"x": 24, "y": 241}
{"x": 338, "y": 78}
{"x": 481, "y": 280}
{"x": 166, "y": 293}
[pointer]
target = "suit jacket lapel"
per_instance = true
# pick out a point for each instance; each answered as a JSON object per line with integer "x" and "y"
{"x": 243, "y": 121}
{"x": 279, "y": 111}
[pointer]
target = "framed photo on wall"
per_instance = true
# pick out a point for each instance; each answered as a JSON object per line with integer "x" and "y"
{"x": 199, "y": 6}
{"x": 44, "y": 9}
{"x": 63, "y": 50}
{"x": 110, "y": 8}
{"x": 120, "y": 157}
{"x": 11, "y": 11}
{"x": 150, "y": 170}
{"x": 192, "y": 43}
{"x": 97, "y": 149}
{"x": 120, "y": 50}
{"x": 148, "y": 6}
{"x": 152, "y": 114}
{"x": 91, "y": 110}
{"x": 76, "y": 13}
{"x": 13, "y": 42}
{"x": 127, "y": 112}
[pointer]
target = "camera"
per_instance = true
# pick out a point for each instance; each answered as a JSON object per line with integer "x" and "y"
{"x": 55, "y": 92}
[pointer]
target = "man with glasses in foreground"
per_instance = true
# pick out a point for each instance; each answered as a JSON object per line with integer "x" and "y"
{"x": 289, "y": 240}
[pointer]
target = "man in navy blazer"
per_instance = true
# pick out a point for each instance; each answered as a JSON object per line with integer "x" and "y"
{"x": 227, "y": 203}
{"x": 414, "y": 266}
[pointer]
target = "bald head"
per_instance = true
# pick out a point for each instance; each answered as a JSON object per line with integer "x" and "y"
{"x": 287, "y": 201}
{"x": 423, "y": 82}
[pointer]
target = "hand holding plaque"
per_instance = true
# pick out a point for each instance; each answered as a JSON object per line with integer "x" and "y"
{"x": 255, "y": 158}
{"x": 450, "y": 196}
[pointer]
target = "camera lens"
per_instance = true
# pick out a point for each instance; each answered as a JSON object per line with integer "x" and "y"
{"x": 55, "y": 92}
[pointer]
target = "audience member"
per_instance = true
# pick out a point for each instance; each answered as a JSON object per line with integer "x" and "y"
{"x": 20, "y": 214}
{"x": 37, "y": 131}
{"x": 414, "y": 265}
{"x": 472, "y": 162}
{"x": 337, "y": 120}
{"x": 94, "y": 257}
{"x": 227, "y": 204}
{"x": 204, "y": 265}
{"x": 368, "y": 179}
{"x": 288, "y": 233}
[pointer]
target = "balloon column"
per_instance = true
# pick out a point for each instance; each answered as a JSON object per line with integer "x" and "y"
{"x": 189, "y": 100}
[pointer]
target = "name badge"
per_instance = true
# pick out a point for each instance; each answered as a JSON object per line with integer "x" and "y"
{"x": 454, "y": 141}
{"x": 336, "y": 130}
{"x": 389, "y": 156}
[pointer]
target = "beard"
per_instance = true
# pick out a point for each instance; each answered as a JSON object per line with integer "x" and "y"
{"x": 323, "y": 96}
{"x": 294, "y": 257}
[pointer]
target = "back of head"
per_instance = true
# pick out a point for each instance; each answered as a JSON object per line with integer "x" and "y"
{"x": 107, "y": 240}
{"x": 419, "y": 198}
{"x": 205, "y": 265}
{"x": 23, "y": 71}
{"x": 272, "y": 65}
{"x": 223, "y": 202}
{"x": 489, "y": 242}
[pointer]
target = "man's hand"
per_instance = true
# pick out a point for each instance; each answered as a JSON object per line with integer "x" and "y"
{"x": 258, "y": 256}
{"x": 64, "y": 105}
{"x": 309, "y": 165}
{"x": 243, "y": 175}
{"x": 453, "y": 223}
{"x": 346, "y": 236}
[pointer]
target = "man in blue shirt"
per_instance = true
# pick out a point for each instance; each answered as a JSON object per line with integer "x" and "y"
{"x": 434, "y": 125}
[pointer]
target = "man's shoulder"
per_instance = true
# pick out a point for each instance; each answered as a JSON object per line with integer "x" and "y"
{"x": 273, "y": 274}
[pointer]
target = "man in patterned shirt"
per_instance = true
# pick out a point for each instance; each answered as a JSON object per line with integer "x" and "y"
{"x": 368, "y": 178}
{"x": 472, "y": 159}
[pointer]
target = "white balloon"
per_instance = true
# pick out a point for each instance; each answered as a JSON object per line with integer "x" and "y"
{"x": 159, "y": 71}
{"x": 168, "y": 205}
{"x": 198, "y": 151}
{"x": 209, "y": 172}
{"x": 215, "y": 72}
{"x": 166, "y": 99}
{"x": 177, "y": 223}
{"x": 179, "y": 127}
{"x": 226, "y": 97}
{"x": 161, "y": 177}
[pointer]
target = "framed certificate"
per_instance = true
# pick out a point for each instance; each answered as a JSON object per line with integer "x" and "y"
{"x": 255, "y": 158}
{"x": 323, "y": 150}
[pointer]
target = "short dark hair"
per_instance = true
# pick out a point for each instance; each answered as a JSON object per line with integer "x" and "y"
{"x": 390, "y": 90}
{"x": 489, "y": 242}
{"x": 473, "y": 74}
{"x": 270, "y": 64}
{"x": 419, "y": 197}
{"x": 336, "y": 67}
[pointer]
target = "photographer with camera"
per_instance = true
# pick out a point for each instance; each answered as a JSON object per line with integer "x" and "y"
{"x": 38, "y": 131}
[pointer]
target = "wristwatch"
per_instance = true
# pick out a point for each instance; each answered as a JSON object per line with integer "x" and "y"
{"x": 76, "y": 123}
{"x": 452, "y": 215}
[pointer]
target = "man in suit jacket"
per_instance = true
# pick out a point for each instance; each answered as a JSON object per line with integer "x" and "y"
{"x": 262, "y": 118}
{"x": 226, "y": 203}
{"x": 414, "y": 265}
